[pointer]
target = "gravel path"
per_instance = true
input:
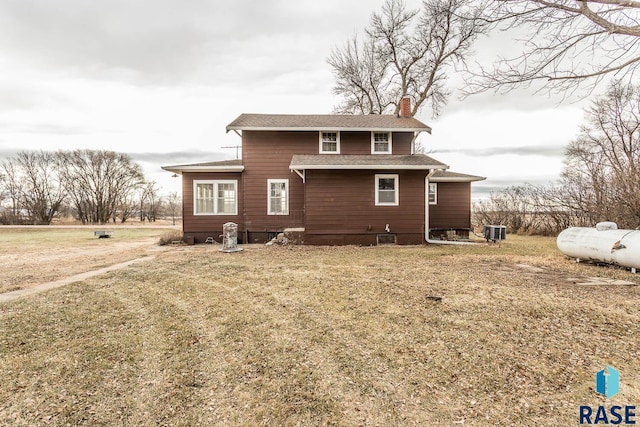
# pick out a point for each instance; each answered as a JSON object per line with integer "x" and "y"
{"x": 8, "y": 296}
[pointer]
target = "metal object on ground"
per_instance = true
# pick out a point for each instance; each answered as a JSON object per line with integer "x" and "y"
{"x": 604, "y": 243}
{"x": 495, "y": 232}
{"x": 102, "y": 234}
{"x": 230, "y": 237}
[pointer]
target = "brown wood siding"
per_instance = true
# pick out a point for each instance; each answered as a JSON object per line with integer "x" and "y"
{"x": 355, "y": 142}
{"x": 340, "y": 207}
{"x": 267, "y": 155}
{"x": 207, "y": 225}
{"x": 402, "y": 142}
{"x": 349, "y": 211}
{"x": 360, "y": 143}
{"x": 454, "y": 206}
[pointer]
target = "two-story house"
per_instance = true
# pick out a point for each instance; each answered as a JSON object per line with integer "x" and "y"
{"x": 339, "y": 179}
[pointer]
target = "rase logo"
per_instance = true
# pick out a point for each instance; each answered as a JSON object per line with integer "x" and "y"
{"x": 608, "y": 382}
{"x": 608, "y": 385}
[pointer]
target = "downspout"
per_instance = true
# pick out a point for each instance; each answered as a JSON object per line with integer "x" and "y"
{"x": 427, "y": 227}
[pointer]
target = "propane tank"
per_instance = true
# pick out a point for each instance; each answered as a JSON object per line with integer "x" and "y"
{"x": 604, "y": 243}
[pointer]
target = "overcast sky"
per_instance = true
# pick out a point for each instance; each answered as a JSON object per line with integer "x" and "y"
{"x": 160, "y": 80}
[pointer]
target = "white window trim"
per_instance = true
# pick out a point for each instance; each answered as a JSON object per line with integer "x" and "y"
{"x": 277, "y": 181}
{"x": 435, "y": 193}
{"x": 397, "y": 187}
{"x": 337, "y": 132}
{"x": 373, "y": 143}
{"x": 215, "y": 183}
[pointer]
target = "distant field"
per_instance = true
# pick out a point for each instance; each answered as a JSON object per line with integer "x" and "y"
{"x": 320, "y": 336}
{"x": 32, "y": 255}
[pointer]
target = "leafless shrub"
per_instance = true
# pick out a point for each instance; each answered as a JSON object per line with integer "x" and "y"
{"x": 169, "y": 237}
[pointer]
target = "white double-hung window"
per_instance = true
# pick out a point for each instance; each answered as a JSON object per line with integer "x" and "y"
{"x": 278, "y": 196}
{"x": 433, "y": 193}
{"x": 215, "y": 197}
{"x": 381, "y": 143}
{"x": 330, "y": 142}
{"x": 387, "y": 190}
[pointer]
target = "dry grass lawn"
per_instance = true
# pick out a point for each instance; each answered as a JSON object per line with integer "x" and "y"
{"x": 33, "y": 255}
{"x": 323, "y": 336}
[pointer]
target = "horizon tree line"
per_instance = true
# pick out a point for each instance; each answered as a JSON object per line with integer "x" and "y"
{"x": 600, "y": 180}
{"x": 92, "y": 186}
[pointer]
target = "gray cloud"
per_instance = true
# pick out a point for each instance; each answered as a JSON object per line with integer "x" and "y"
{"x": 47, "y": 129}
{"x": 54, "y": 53}
{"x": 482, "y": 189}
{"x": 94, "y": 37}
{"x": 169, "y": 41}
{"x": 180, "y": 157}
{"x": 5, "y": 153}
{"x": 153, "y": 160}
{"x": 537, "y": 150}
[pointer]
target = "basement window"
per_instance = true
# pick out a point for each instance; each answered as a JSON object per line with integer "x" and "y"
{"x": 387, "y": 192}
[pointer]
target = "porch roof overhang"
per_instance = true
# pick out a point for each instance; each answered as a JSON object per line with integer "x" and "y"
{"x": 448, "y": 176}
{"x": 222, "y": 166}
{"x": 301, "y": 162}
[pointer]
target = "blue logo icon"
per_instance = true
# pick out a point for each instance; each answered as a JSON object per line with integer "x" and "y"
{"x": 608, "y": 382}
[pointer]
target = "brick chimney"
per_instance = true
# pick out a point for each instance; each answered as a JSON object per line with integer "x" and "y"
{"x": 405, "y": 106}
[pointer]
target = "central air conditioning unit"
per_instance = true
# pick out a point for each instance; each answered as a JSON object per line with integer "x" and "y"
{"x": 495, "y": 232}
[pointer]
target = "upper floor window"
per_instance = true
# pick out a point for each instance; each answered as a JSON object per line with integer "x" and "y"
{"x": 381, "y": 143}
{"x": 433, "y": 193}
{"x": 387, "y": 193}
{"x": 215, "y": 197}
{"x": 329, "y": 142}
{"x": 278, "y": 196}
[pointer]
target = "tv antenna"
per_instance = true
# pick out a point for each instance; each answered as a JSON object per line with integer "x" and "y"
{"x": 237, "y": 147}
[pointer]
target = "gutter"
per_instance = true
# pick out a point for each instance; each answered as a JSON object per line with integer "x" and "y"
{"x": 427, "y": 227}
{"x": 236, "y": 128}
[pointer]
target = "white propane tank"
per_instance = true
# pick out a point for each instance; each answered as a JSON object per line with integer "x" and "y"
{"x": 604, "y": 243}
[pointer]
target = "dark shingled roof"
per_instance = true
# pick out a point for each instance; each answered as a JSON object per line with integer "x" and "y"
{"x": 371, "y": 161}
{"x": 327, "y": 122}
{"x": 448, "y": 176}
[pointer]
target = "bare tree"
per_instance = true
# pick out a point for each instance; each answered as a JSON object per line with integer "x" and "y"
{"x": 126, "y": 208}
{"x": 42, "y": 189}
{"x": 98, "y": 181}
{"x": 173, "y": 206}
{"x": 405, "y": 52}
{"x": 11, "y": 184}
{"x": 600, "y": 180}
{"x": 603, "y": 163}
{"x": 528, "y": 209}
{"x": 511, "y": 207}
{"x": 149, "y": 201}
{"x": 568, "y": 44}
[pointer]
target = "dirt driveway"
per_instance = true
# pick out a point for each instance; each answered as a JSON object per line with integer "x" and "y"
{"x": 31, "y": 256}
